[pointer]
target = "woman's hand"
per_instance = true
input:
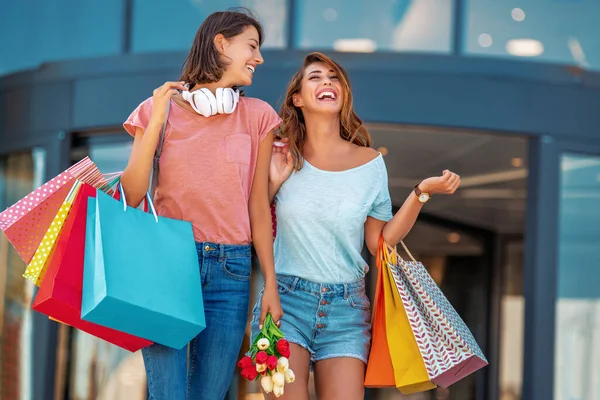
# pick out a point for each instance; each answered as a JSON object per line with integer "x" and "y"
{"x": 270, "y": 304}
{"x": 160, "y": 99}
{"x": 282, "y": 163}
{"x": 445, "y": 184}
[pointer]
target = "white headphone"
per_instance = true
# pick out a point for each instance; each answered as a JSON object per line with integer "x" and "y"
{"x": 204, "y": 102}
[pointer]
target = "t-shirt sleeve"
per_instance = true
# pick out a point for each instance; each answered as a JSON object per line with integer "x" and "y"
{"x": 139, "y": 117}
{"x": 382, "y": 206}
{"x": 269, "y": 120}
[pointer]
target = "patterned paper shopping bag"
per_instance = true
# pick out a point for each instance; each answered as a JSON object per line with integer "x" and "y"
{"x": 60, "y": 293}
{"x": 26, "y": 222}
{"x": 36, "y": 269}
{"x": 448, "y": 347}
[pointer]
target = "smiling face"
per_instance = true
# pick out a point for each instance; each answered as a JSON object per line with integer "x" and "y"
{"x": 226, "y": 50}
{"x": 241, "y": 54}
{"x": 321, "y": 90}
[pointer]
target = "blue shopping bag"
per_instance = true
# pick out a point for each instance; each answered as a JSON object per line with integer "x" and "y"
{"x": 141, "y": 273}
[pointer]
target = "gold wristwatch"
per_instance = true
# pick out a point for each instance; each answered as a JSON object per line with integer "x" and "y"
{"x": 423, "y": 197}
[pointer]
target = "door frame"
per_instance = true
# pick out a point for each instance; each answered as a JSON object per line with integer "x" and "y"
{"x": 541, "y": 260}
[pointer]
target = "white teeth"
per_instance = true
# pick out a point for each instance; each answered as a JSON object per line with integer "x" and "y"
{"x": 330, "y": 95}
{"x": 250, "y": 67}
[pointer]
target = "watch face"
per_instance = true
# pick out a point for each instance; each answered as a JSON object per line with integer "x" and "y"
{"x": 423, "y": 197}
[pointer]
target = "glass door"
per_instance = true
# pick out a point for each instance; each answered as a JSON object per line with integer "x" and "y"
{"x": 20, "y": 173}
{"x": 577, "y": 339}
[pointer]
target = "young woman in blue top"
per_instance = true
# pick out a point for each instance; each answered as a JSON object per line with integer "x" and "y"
{"x": 336, "y": 199}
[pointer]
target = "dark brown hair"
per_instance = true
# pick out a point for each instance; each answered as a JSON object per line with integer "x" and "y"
{"x": 293, "y": 126}
{"x": 204, "y": 63}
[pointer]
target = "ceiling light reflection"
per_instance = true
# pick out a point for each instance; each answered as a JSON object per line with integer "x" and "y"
{"x": 525, "y": 47}
{"x": 330, "y": 14}
{"x": 485, "y": 40}
{"x": 359, "y": 45}
{"x": 518, "y": 14}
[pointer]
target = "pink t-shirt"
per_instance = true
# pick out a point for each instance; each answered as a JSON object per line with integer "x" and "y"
{"x": 207, "y": 166}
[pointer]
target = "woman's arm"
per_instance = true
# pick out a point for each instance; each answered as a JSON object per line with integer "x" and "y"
{"x": 398, "y": 227}
{"x": 262, "y": 232}
{"x": 136, "y": 176}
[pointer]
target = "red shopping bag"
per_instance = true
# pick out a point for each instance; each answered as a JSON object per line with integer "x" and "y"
{"x": 59, "y": 296}
{"x": 25, "y": 223}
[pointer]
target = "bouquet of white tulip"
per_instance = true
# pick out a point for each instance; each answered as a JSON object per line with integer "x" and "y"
{"x": 268, "y": 359}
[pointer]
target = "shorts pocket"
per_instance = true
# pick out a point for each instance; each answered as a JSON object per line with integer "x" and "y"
{"x": 238, "y": 268}
{"x": 360, "y": 301}
{"x": 283, "y": 288}
{"x": 238, "y": 147}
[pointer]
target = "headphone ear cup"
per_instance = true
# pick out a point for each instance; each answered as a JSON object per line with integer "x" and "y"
{"x": 229, "y": 99}
{"x": 220, "y": 97}
{"x": 209, "y": 100}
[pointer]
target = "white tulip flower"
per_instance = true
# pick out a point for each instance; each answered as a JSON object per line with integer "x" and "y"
{"x": 278, "y": 379}
{"x": 290, "y": 377}
{"x": 283, "y": 364}
{"x": 267, "y": 383}
{"x": 263, "y": 344}
{"x": 278, "y": 391}
{"x": 261, "y": 367}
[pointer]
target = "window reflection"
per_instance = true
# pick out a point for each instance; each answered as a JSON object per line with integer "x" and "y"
{"x": 563, "y": 32}
{"x": 101, "y": 371}
{"x": 187, "y": 15}
{"x": 382, "y": 25}
{"x": 577, "y": 342}
{"x": 19, "y": 174}
{"x": 37, "y": 31}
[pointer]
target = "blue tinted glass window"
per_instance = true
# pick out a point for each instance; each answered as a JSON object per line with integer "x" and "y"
{"x": 558, "y": 31}
{"x": 365, "y": 25}
{"x": 160, "y": 25}
{"x": 37, "y": 31}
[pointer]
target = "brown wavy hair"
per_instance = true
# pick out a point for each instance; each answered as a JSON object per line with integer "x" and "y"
{"x": 293, "y": 126}
{"x": 204, "y": 63}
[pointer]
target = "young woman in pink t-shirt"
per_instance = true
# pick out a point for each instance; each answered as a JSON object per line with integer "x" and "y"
{"x": 214, "y": 172}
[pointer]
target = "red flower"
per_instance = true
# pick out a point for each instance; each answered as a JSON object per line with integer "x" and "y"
{"x": 261, "y": 357}
{"x": 283, "y": 347}
{"x": 245, "y": 362}
{"x": 272, "y": 362}
{"x": 250, "y": 373}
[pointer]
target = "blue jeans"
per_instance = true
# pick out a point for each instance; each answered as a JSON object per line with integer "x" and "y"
{"x": 207, "y": 371}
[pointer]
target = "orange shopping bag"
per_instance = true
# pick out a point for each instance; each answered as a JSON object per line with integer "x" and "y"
{"x": 395, "y": 359}
{"x": 380, "y": 372}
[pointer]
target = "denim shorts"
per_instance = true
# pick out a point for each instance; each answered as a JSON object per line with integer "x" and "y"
{"x": 328, "y": 320}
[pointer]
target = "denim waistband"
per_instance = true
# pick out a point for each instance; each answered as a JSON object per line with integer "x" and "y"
{"x": 344, "y": 289}
{"x": 209, "y": 249}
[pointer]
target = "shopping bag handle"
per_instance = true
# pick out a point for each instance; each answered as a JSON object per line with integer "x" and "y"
{"x": 388, "y": 253}
{"x": 158, "y": 152}
{"x": 117, "y": 195}
{"x": 148, "y": 200}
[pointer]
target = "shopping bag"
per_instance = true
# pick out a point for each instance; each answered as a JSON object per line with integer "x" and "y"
{"x": 141, "y": 273}
{"x": 395, "y": 359}
{"x": 380, "y": 372}
{"x": 60, "y": 293}
{"x": 447, "y": 346}
{"x": 37, "y": 266}
{"x": 408, "y": 358}
{"x": 26, "y": 222}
